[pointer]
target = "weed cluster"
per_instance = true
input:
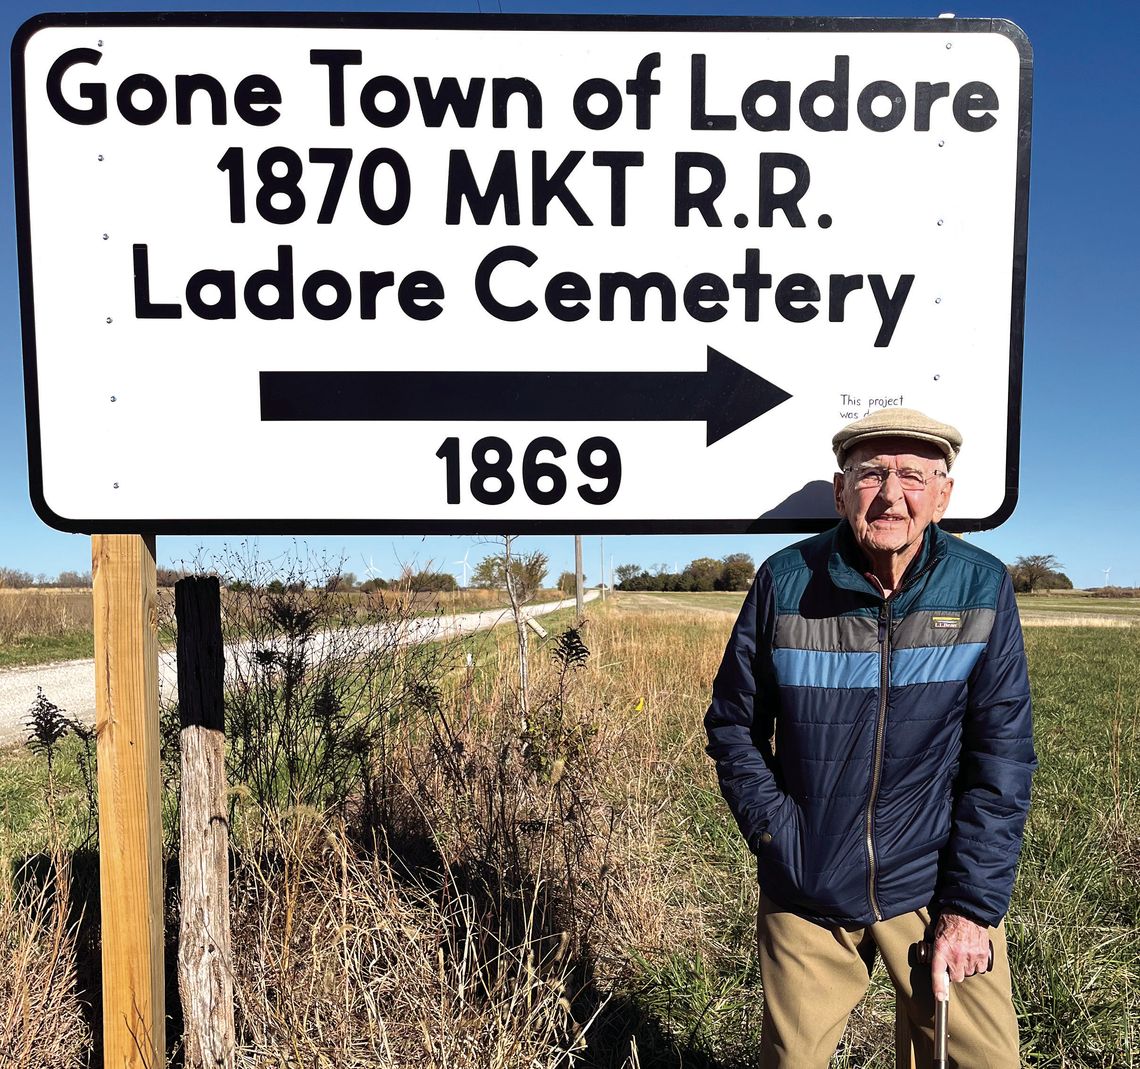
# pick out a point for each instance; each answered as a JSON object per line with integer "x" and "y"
{"x": 374, "y": 776}
{"x": 316, "y": 682}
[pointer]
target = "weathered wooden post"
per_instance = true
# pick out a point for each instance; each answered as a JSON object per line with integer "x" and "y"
{"x": 130, "y": 800}
{"x": 205, "y": 962}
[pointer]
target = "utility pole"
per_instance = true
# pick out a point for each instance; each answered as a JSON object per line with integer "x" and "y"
{"x": 602, "y": 564}
{"x": 578, "y": 576}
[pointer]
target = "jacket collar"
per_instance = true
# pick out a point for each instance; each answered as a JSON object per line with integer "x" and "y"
{"x": 846, "y": 563}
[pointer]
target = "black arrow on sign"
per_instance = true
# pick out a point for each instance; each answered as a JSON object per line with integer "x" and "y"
{"x": 726, "y": 395}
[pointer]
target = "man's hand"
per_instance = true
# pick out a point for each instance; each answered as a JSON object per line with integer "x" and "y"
{"x": 961, "y": 948}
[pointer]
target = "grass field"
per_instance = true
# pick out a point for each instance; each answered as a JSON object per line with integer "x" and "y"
{"x": 578, "y": 885}
{"x": 1080, "y": 602}
{"x": 1076, "y": 609}
{"x": 723, "y": 601}
{"x": 43, "y": 625}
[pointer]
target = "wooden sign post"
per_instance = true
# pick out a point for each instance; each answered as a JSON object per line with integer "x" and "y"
{"x": 130, "y": 800}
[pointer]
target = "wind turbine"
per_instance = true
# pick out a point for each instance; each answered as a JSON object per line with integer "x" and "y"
{"x": 1106, "y": 571}
{"x": 465, "y": 565}
{"x": 370, "y": 569}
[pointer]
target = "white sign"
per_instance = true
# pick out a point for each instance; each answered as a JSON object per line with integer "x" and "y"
{"x": 443, "y": 273}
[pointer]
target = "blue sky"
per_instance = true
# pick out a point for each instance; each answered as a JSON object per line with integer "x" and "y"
{"x": 1081, "y": 400}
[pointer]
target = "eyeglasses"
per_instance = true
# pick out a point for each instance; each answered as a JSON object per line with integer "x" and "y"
{"x": 873, "y": 478}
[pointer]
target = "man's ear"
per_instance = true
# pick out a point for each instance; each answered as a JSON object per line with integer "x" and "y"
{"x": 837, "y": 483}
{"x": 943, "y": 498}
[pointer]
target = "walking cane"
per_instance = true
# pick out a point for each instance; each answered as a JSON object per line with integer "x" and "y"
{"x": 922, "y": 953}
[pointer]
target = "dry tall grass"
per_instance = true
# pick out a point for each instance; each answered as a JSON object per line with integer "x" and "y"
{"x": 568, "y": 891}
{"x": 43, "y": 612}
{"x": 471, "y": 599}
{"x": 41, "y": 1021}
{"x": 343, "y": 962}
{"x": 517, "y": 882}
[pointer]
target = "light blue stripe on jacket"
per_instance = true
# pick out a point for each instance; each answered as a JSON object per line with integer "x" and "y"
{"x": 934, "y": 664}
{"x": 844, "y": 671}
{"x": 813, "y": 668}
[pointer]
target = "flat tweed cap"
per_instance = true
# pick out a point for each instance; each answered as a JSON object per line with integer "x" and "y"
{"x": 898, "y": 423}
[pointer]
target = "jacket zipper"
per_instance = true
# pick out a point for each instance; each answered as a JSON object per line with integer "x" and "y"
{"x": 880, "y": 731}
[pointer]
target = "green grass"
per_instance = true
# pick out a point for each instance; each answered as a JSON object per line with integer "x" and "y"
{"x": 43, "y": 649}
{"x": 1074, "y": 923}
{"x": 29, "y": 792}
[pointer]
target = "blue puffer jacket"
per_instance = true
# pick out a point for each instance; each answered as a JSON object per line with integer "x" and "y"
{"x": 877, "y": 753}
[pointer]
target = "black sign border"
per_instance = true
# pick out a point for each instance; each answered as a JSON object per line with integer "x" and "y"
{"x": 561, "y": 23}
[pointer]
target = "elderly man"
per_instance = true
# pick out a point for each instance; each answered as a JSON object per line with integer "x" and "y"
{"x": 872, "y": 734}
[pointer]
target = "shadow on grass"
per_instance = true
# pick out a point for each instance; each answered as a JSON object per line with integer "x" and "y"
{"x": 625, "y": 1028}
{"x": 85, "y": 915}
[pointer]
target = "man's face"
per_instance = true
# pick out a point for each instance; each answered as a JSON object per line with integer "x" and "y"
{"x": 889, "y": 518}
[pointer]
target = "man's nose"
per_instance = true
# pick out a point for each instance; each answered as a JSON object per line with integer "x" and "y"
{"x": 891, "y": 489}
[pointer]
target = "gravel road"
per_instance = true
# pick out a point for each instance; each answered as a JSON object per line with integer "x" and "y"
{"x": 71, "y": 684}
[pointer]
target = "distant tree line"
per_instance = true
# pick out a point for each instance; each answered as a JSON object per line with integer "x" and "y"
{"x": 347, "y": 582}
{"x": 435, "y": 582}
{"x": 734, "y": 572}
{"x": 16, "y": 579}
{"x": 423, "y": 580}
{"x": 568, "y": 583}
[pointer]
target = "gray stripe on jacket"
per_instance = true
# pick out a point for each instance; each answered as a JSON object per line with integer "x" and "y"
{"x": 860, "y": 634}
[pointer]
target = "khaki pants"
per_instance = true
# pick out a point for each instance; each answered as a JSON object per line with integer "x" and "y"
{"x": 814, "y": 977}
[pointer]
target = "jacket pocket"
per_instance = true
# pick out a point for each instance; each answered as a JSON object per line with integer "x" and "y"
{"x": 784, "y": 814}
{"x": 779, "y": 859}
{"x": 951, "y": 780}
